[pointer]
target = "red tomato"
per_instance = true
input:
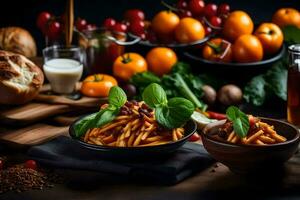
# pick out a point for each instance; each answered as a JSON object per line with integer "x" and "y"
{"x": 134, "y": 14}
{"x": 196, "y": 7}
{"x": 223, "y": 9}
{"x": 195, "y": 137}
{"x": 137, "y": 27}
{"x": 120, "y": 27}
{"x": 210, "y": 10}
{"x": 54, "y": 30}
{"x": 80, "y": 24}
{"x": 31, "y": 164}
{"x": 43, "y": 20}
{"x": 109, "y": 23}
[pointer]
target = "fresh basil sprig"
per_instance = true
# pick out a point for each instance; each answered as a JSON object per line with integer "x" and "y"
{"x": 116, "y": 99}
{"x": 171, "y": 113}
{"x": 239, "y": 119}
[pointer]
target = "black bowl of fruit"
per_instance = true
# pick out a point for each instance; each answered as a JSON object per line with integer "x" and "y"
{"x": 182, "y": 26}
{"x": 241, "y": 45}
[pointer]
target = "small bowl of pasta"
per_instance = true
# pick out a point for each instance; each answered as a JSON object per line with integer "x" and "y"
{"x": 268, "y": 144}
{"x": 134, "y": 133}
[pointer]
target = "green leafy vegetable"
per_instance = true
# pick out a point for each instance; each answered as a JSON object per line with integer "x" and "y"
{"x": 291, "y": 34}
{"x": 116, "y": 99}
{"x": 240, "y": 121}
{"x": 170, "y": 113}
{"x": 277, "y": 80}
{"x": 273, "y": 83}
{"x": 180, "y": 82}
{"x": 255, "y": 91}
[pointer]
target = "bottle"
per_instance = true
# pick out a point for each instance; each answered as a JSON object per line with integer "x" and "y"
{"x": 293, "y": 90}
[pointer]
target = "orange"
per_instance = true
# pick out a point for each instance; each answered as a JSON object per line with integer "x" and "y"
{"x": 270, "y": 36}
{"x": 161, "y": 60}
{"x": 286, "y": 16}
{"x": 189, "y": 30}
{"x": 164, "y": 22}
{"x": 247, "y": 48}
{"x": 238, "y": 23}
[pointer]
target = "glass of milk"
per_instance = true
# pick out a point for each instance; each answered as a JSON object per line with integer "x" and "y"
{"x": 63, "y": 67}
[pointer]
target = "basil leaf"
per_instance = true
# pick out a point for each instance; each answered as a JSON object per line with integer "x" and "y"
{"x": 116, "y": 96}
{"x": 107, "y": 116}
{"x": 85, "y": 124}
{"x": 154, "y": 95}
{"x": 116, "y": 99}
{"x": 177, "y": 112}
{"x": 239, "y": 119}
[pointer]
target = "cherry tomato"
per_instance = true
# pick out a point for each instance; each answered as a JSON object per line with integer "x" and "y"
{"x": 120, "y": 27}
{"x": 215, "y": 21}
{"x": 128, "y": 64}
{"x": 247, "y": 48}
{"x": 184, "y": 13}
{"x": 195, "y": 137}
{"x": 54, "y": 30}
{"x": 207, "y": 30}
{"x": 217, "y": 49}
{"x": 31, "y": 164}
{"x": 210, "y": 10}
{"x": 252, "y": 120}
{"x": 1, "y": 164}
{"x": 161, "y": 60}
{"x": 109, "y": 23}
{"x": 42, "y": 21}
{"x": 80, "y": 24}
{"x": 164, "y": 23}
{"x": 189, "y": 30}
{"x": 238, "y": 23}
{"x": 223, "y": 9}
{"x": 98, "y": 85}
{"x": 286, "y": 16}
{"x": 196, "y": 7}
{"x": 134, "y": 14}
{"x": 270, "y": 36}
{"x": 182, "y": 4}
{"x": 137, "y": 27}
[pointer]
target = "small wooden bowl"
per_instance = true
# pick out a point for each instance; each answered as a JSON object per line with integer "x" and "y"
{"x": 252, "y": 158}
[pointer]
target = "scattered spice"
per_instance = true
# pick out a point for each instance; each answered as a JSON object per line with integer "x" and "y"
{"x": 18, "y": 178}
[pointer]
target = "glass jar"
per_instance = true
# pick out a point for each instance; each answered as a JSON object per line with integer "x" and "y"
{"x": 293, "y": 90}
{"x": 102, "y": 47}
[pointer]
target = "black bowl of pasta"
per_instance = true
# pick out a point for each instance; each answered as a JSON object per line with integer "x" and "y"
{"x": 111, "y": 144}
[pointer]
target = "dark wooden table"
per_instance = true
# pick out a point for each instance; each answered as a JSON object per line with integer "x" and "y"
{"x": 215, "y": 182}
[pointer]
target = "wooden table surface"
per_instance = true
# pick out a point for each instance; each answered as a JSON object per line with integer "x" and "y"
{"x": 215, "y": 182}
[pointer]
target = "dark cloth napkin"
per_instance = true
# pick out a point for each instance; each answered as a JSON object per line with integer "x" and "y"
{"x": 63, "y": 152}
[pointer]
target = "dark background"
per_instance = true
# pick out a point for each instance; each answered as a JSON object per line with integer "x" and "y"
{"x": 24, "y": 13}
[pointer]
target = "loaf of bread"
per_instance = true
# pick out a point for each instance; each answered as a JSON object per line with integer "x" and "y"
{"x": 20, "y": 79}
{"x": 17, "y": 40}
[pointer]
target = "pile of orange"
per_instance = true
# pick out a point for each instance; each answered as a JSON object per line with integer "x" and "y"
{"x": 239, "y": 42}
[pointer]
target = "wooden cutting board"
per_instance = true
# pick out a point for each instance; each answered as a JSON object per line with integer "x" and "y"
{"x": 45, "y": 106}
{"x": 33, "y": 135}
